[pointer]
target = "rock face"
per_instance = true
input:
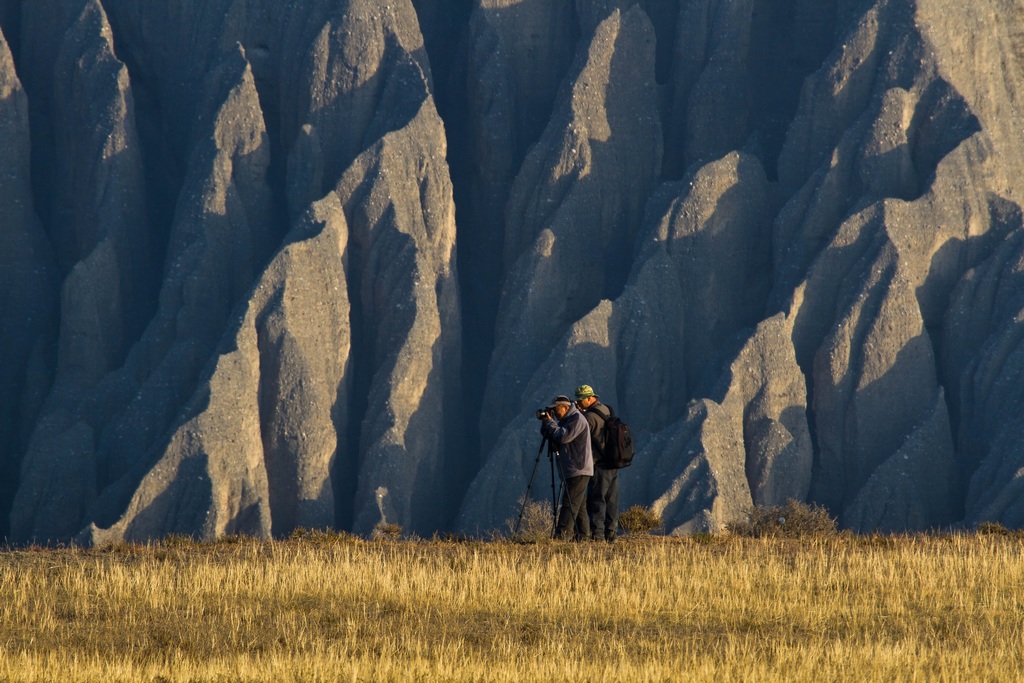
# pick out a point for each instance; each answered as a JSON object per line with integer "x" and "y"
{"x": 28, "y": 284}
{"x": 640, "y": 352}
{"x": 239, "y": 408}
{"x": 575, "y": 207}
{"x": 256, "y": 450}
{"x": 276, "y": 265}
{"x": 519, "y": 53}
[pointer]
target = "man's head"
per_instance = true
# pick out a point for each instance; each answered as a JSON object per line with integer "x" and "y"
{"x": 585, "y": 396}
{"x": 560, "y": 406}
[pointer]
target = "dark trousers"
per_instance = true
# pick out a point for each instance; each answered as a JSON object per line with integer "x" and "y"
{"x": 572, "y": 518}
{"x": 603, "y": 503}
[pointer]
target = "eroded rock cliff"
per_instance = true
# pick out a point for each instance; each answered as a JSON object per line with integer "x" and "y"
{"x": 275, "y": 265}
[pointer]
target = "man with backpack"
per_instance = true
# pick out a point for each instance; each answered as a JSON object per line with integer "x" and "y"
{"x": 603, "y": 490}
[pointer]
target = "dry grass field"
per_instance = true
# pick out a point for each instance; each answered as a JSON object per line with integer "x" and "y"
{"x": 335, "y": 608}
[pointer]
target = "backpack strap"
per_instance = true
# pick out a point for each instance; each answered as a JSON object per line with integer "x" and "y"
{"x": 604, "y": 416}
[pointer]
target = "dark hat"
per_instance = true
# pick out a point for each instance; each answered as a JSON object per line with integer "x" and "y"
{"x": 561, "y": 401}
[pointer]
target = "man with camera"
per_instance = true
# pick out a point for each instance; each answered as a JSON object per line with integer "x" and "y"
{"x": 603, "y": 489}
{"x": 565, "y": 428}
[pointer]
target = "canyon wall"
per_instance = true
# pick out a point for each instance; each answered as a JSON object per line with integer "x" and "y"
{"x": 278, "y": 265}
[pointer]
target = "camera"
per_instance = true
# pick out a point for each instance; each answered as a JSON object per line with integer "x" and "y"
{"x": 543, "y": 413}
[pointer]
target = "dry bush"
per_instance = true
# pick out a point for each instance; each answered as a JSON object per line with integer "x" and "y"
{"x": 178, "y": 541}
{"x": 640, "y": 520}
{"x": 536, "y": 525}
{"x": 235, "y": 539}
{"x": 387, "y": 531}
{"x": 997, "y": 529}
{"x": 323, "y": 536}
{"x": 991, "y": 528}
{"x": 792, "y": 520}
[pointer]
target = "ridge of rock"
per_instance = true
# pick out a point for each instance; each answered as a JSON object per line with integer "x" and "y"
{"x": 576, "y": 205}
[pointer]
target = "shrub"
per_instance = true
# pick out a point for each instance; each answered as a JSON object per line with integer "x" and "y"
{"x": 995, "y": 529}
{"x": 323, "y": 536}
{"x": 178, "y": 541}
{"x": 233, "y": 539}
{"x": 387, "y": 530}
{"x": 992, "y": 528}
{"x": 707, "y": 538}
{"x": 535, "y": 526}
{"x": 792, "y": 520}
{"x": 640, "y": 520}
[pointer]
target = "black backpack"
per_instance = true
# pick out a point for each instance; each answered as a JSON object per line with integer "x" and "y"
{"x": 618, "y": 442}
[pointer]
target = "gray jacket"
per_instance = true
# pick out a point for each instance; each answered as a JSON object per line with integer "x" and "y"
{"x": 597, "y": 414}
{"x": 571, "y": 436}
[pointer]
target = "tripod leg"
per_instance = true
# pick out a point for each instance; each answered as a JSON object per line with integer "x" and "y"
{"x": 554, "y": 497}
{"x": 526, "y": 496}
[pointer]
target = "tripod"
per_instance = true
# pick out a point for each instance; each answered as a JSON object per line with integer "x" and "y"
{"x": 552, "y": 460}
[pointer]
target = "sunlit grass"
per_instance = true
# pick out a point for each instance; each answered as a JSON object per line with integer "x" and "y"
{"x": 847, "y": 608}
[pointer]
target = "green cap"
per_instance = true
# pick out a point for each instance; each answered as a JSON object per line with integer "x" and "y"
{"x": 584, "y": 391}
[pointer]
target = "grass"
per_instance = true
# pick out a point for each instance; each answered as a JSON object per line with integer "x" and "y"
{"x": 335, "y": 608}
